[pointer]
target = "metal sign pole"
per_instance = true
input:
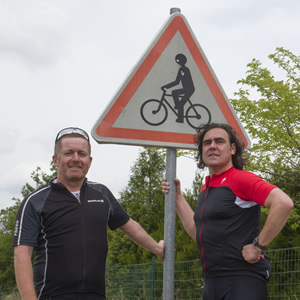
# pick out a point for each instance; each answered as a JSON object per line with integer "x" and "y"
{"x": 169, "y": 227}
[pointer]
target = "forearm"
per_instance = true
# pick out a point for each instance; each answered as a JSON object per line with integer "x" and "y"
{"x": 273, "y": 225}
{"x": 276, "y": 219}
{"x": 186, "y": 215}
{"x": 24, "y": 275}
{"x": 138, "y": 235}
{"x": 279, "y": 205}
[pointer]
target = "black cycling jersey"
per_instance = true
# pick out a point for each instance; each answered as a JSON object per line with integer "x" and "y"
{"x": 227, "y": 217}
{"x": 69, "y": 236}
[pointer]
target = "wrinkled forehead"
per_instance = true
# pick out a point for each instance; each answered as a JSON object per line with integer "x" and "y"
{"x": 72, "y": 142}
{"x": 216, "y": 133}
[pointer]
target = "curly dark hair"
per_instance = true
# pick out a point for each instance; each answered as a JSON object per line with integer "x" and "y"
{"x": 238, "y": 159}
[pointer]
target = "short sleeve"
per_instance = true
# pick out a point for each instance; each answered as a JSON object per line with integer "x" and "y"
{"x": 251, "y": 187}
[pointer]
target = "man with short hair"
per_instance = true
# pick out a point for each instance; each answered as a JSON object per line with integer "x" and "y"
{"x": 65, "y": 224}
{"x": 226, "y": 223}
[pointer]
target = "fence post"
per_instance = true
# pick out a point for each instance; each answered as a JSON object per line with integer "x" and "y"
{"x": 152, "y": 279}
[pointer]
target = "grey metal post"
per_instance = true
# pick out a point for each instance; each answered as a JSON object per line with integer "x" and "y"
{"x": 169, "y": 227}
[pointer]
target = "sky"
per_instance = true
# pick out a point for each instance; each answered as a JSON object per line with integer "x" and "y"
{"x": 62, "y": 61}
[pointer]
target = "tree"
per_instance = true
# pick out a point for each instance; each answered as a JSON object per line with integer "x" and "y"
{"x": 40, "y": 178}
{"x": 7, "y": 224}
{"x": 270, "y": 110}
{"x": 144, "y": 201}
{"x": 186, "y": 248}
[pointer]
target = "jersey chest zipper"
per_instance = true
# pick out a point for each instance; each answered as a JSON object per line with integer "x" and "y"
{"x": 202, "y": 247}
{"x": 84, "y": 250}
{"x": 83, "y": 241}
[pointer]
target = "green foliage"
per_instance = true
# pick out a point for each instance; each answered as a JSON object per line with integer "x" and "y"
{"x": 273, "y": 120}
{"x": 270, "y": 110}
{"x": 186, "y": 247}
{"x": 11, "y": 295}
{"x": 40, "y": 178}
{"x": 144, "y": 201}
{"x": 7, "y": 224}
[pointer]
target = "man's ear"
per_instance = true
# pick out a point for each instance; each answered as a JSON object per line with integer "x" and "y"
{"x": 91, "y": 159}
{"x": 54, "y": 159}
{"x": 233, "y": 148}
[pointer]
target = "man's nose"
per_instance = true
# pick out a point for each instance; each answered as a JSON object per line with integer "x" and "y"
{"x": 75, "y": 156}
{"x": 213, "y": 145}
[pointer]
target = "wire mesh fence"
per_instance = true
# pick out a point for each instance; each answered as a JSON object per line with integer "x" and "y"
{"x": 285, "y": 280}
{"x": 145, "y": 281}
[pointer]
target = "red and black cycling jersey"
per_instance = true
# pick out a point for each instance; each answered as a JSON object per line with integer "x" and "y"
{"x": 69, "y": 236}
{"x": 227, "y": 217}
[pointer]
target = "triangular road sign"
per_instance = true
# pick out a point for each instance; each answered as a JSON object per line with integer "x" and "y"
{"x": 147, "y": 110}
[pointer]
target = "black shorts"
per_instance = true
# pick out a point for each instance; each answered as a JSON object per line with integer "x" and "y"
{"x": 77, "y": 296}
{"x": 235, "y": 288}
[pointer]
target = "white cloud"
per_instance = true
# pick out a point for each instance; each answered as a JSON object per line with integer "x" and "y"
{"x": 61, "y": 62}
{"x": 33, "y": 31}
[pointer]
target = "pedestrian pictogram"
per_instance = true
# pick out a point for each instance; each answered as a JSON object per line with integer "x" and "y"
{"x": 170, "y": 92}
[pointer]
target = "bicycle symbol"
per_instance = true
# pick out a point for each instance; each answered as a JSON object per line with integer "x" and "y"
{"x": 155, "y": 112}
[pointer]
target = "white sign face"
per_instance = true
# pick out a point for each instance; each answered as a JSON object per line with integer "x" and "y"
{"x": 170, "y": 92}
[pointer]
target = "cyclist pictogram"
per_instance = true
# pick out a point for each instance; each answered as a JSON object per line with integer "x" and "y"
{"x": 155, "y": 112}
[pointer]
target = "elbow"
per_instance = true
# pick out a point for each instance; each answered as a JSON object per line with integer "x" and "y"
{"x": 279, "y": 200}
{"x": 287, "y": 205}
{"x": 290, "y": 205}
{"x": 131, "y": 228}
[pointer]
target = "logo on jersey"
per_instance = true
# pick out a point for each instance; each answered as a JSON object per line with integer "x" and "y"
{"x": 16, "y": 228}
{"x": 95, "y": 200}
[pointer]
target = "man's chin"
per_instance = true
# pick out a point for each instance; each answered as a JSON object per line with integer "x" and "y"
{"x": 212, "y": 160}
{"x": 76, "y": 178}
